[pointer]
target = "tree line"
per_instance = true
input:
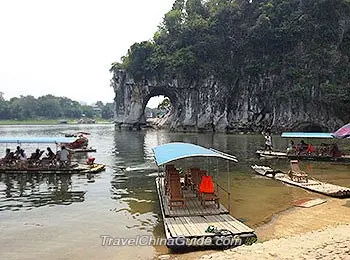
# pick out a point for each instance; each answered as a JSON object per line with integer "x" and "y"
{"x": 51, "y": 107}
{"x": 306, "y": 44}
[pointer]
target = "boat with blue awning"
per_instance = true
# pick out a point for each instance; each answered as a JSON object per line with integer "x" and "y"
{"x": 327, "y": 151}
{"x": 192, "y": 209}
{"x": 14, "y": 162}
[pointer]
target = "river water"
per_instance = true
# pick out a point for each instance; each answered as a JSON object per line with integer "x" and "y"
{"x": 45, "y": 216}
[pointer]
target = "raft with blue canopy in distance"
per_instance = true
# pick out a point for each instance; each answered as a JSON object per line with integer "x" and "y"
{"x": 192, "y": 213}
{"x": 34, "y": 164}
{"x": 324, "y": 152}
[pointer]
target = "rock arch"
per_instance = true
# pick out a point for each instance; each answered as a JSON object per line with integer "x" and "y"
{"x": 132, "y": 97}
{"x": 210, "y": 105}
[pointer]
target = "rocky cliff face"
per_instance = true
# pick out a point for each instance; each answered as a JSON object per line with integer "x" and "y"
{"x": 209, "y": 105}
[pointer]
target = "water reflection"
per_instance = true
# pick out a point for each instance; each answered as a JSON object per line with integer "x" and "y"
{"x": 123, "y": 199}
{"x": 25, "y": 191}
{"x": 135, "y": 183}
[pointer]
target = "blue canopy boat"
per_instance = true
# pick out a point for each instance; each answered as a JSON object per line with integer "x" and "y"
{"x": 325, "y": 152}
{"x": 37, "y": 165}
{"x": 192, "y": 213}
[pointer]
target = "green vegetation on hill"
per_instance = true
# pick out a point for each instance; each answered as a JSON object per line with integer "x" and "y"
{"x": 45, "y": 109}
{"x": 303, "y": 43}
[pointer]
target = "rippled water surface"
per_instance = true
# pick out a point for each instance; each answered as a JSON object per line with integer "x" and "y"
{"x": 64, "y": 216}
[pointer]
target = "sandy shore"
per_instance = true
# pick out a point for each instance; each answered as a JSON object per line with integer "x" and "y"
{"x": 320, "y": 232}
{"x": 330, "y": 243}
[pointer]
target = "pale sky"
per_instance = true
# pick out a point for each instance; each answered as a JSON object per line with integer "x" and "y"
{"x": 66, "y": 47}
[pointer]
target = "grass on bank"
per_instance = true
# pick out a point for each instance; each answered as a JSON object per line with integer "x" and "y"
{"x": 48, "y": 122}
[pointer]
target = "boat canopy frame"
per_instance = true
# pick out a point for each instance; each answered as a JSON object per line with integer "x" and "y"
{"x": 170, "y": 152}
{"x": 307, "y": 135}
{"x": 36, "y": 140}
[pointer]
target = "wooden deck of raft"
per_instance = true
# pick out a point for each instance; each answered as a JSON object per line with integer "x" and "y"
{"x": 281, "y": 155}
{"x": 313, "y": 185}
{"x": 193, "y": 220}
{"x": 80, "y": 168}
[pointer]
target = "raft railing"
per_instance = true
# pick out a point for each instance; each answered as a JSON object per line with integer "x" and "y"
{"x": 228, "y": 195}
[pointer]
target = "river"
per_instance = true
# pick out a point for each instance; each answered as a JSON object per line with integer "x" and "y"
{"x": 67, "y": 216}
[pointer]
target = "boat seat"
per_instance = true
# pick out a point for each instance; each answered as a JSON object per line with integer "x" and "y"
{"x": 295, "y": 173}
{"x": 175, "y": 193}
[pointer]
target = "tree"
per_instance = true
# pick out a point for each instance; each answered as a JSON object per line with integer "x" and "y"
{"x": 49, "y": 107}
{"x": 165, "y": 104}
{"x": 304, "y": 44}
{"x": 107, "y": 111}
{"x": 88, "y": 111}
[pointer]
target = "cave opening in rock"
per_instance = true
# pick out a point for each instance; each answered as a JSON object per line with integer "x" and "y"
{"x": 157, "y": 110}
{"x": 157, "y": 106}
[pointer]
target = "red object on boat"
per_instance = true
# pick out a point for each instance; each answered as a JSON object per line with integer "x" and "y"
{"x": 80, "y": 143}
{"x": 310, "y": 149}
{"x": 90, "y": 160}
{"x": 206, "y": 185}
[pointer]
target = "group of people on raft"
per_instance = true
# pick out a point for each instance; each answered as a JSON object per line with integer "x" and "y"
{"x": 308, "y": 149}
{"x": 18, "y": 158}
{"x": 305, "y": 149}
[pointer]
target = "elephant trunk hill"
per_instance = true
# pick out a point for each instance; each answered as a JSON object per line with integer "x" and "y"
{"x": 242, "y": 66}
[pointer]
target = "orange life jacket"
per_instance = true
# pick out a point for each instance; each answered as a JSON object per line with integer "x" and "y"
{"x": 206, "y": 185}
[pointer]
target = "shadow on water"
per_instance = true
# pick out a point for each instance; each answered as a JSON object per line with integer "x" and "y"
{"x": 25, "y": 191}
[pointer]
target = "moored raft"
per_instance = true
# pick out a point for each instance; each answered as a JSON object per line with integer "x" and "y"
{"x": 292, "y": 156}
{"x": 83, "y": 150}
{"x": 195, "y": 223}
{"x": 74, "y": 169}
{"x": 324, "y": 188}
{"x": 271, "y": 154}
{"x": 188, "y": 227}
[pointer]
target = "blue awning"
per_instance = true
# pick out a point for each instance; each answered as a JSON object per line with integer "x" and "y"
{"x": 306, "y": 135}
{"x": 174, "y": 151}
{"x": 36, "y": 140}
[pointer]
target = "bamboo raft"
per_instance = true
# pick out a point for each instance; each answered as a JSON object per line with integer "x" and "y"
{"x": 311, "y": 184}
{"x": 188, "y": 226}
{"x": 74, "y": 169}
{"x": 284, "y": 155}
{"x": 82, "y": 150}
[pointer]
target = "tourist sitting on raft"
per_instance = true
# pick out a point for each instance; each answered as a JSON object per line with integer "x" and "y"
{"x": 22, "y": 159}
{"x": 304, "y": 148}
{"x": 34, "y": 159}
{"x": 50, "y": 155}
{"x": 37, "y": 154}
{"x": 49, "y": 159}
{"x": 8, "y": 158}
{"x": 334, "y": 151}
{"x": 17, "y": 152}
{"x": 64, "y": 157}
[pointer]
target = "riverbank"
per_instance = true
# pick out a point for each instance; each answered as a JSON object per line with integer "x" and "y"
{"x": 318, "y": 231}
{"x": 47, "y": 122}
{"x": 329, "y": 243}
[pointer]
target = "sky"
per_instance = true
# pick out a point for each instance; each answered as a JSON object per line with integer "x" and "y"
{"x": 66, "y": 47}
